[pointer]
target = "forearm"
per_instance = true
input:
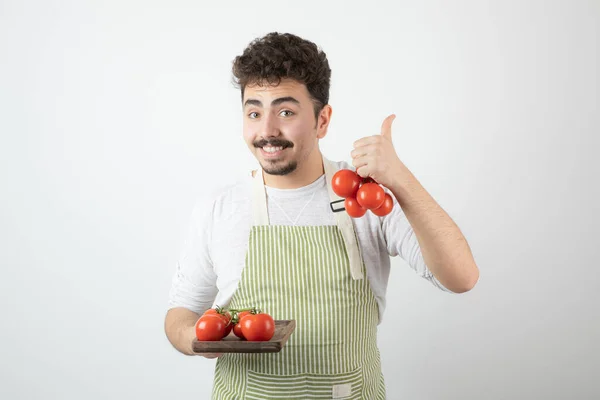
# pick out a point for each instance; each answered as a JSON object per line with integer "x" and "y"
{"x": 180, "y": 329}
{"x": 445, "y": 250}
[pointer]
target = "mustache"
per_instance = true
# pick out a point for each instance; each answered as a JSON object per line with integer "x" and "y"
{"x": 273, "y": 142}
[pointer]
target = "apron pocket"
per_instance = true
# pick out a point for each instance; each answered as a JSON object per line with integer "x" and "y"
{"x": 344, "y": 386}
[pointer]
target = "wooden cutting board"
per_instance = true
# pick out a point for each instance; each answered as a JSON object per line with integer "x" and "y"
{"x": 233, "y": 344}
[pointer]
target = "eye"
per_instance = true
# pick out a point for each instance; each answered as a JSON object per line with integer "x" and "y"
{"x": 253, "y": 115}
{"x": 286, "y": 113}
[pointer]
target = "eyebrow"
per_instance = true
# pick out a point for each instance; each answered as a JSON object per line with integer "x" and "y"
{"x": 276, "y": 102}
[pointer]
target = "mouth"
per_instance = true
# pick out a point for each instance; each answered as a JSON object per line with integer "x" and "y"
{"x": 272, "y": 151}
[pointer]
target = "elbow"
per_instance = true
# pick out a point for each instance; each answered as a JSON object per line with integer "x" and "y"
{"x": 469, "y": 280}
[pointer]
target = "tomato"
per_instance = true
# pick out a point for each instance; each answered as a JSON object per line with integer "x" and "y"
{"x": 370, "y": 195}
{"x": 345, "y": 183}
{"x": 228, "y": 329}
{"x": 237, "y": 328}
{"x": 354, "y": 209}
{"x": 237, "y": 331}
{"x": 258, "y": 327}
{"x": 223, "y": 314}
{"x": 210, "y": 328}
{"x": 385, "y": 208}
{"x": 243, "y": 314}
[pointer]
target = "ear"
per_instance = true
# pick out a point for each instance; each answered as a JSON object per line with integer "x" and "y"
{"x": 323, "y": 121}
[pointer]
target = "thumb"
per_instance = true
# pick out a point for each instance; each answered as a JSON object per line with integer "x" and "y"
{"x": 386, "y": 127}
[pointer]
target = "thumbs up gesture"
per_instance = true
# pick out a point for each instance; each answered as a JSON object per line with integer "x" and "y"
{"x": 375, "y": 157}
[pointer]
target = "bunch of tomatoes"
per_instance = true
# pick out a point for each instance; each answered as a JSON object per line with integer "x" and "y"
{"x": 247, "y": 324}
{"x": 361, "y": 194}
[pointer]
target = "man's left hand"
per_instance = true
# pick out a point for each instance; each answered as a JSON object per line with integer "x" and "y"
{"x": 375, "y": 156}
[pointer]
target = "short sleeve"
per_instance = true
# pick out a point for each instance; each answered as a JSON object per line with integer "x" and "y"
{"x": 193, "y": 284}
{"x": 401, "y": 240}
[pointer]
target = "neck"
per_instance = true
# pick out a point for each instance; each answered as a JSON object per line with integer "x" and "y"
{"x": 310, "y": 170}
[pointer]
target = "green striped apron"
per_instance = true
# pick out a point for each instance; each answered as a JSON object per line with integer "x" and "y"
{"x": 305, "y": 273}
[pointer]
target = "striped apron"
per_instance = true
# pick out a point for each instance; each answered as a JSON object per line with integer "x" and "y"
{"x": 308, "y": 274}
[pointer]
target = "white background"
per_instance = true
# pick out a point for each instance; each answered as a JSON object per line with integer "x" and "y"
{"x": 115, "y": 115}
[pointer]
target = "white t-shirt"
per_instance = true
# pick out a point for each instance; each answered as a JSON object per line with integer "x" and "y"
{"x": 214, "y": 252}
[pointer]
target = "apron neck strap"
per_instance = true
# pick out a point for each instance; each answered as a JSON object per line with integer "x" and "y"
{"x": 259, "y": 200}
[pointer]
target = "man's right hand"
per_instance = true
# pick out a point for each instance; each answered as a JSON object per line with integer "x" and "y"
{"x": 180, "y": 327}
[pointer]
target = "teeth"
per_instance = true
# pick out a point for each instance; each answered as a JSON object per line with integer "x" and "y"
{"x": 272, "y": 149}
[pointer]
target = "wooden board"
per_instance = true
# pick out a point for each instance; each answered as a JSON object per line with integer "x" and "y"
{"x": 233, "y": 344}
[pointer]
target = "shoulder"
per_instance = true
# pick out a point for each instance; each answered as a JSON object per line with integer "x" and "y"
{"x": 223, "y": 198}
{"x": 341, "y": 165}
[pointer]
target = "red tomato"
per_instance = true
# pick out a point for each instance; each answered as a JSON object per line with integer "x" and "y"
{"x": 242, "y": 315}
{"x": 228, "y": 329}
{"x": 210, "y": 328}
{"x": 354, "y": 209}
{"x": 385, "y": 208}
{"x": 223, "y": 314}
{"x": 237, "y": 331}
{"x": 258, "y": 327}
{"x": 237, "y": 328}
{"x": 370, "y": 195}
{"x": 345, "y": 183}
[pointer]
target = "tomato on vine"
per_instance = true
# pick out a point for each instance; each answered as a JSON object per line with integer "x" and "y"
{"x": 237, "y": 327}
{"x": 258, "y": 327}
{"x": 345, "y": 183}
{"x": 370, "y": 196}
{"x": 354, "y": 209}
{"x": 210, "y": 327}
{"x": 385, "y": 208}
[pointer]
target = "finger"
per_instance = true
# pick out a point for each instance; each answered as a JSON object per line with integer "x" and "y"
{"x": 367, "y": 141}
{"x": 386, "y": 126}
{"x": 362, "y": 150}
{"x": 360, "y": 162}
{"x": 363, "y": 171}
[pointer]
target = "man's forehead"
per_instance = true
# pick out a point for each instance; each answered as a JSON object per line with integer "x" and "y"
{"x": 286, "y": 88}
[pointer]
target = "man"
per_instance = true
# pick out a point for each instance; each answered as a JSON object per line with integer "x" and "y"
{"x": 273, "y": 241}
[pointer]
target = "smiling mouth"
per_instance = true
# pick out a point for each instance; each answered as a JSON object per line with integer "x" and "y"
{"x": 272, "y": 151}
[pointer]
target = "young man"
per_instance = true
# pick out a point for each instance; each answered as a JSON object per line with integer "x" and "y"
{"x": 273, "y": 241}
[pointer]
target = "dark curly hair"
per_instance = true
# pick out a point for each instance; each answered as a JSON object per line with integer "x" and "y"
{"x": 283, "y": 55}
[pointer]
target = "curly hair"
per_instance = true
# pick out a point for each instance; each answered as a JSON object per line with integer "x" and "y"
{"x": 283, "y": 55}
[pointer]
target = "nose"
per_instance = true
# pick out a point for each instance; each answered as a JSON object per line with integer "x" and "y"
{"x": 269, "y": 126}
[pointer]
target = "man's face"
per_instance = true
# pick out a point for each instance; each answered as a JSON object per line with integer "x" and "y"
{"x": 279, "y": 126}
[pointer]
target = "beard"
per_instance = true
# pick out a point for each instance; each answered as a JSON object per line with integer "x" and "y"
{"x": 276, "y": 167}
{"x": 273, "y": 169}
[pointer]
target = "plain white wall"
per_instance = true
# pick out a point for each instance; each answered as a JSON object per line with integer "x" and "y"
{"x": 115, "y": 115}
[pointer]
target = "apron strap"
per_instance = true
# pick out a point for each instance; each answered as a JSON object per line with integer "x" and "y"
{"x": 344, "y": 222}
{"x": 259, "y": 200}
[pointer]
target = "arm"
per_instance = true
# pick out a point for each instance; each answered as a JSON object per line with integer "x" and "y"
{"x": 444, "y": 248}
{"x": 193, "y": 287}
{"x": 180, "y": 329}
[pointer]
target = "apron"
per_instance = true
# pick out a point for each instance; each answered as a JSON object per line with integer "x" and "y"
{"x": 314, "y": 275}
